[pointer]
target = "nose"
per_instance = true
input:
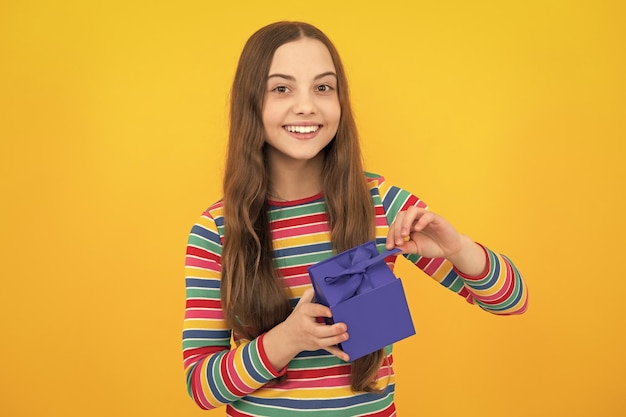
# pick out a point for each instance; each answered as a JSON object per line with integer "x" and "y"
{"x": 304, "y": 103}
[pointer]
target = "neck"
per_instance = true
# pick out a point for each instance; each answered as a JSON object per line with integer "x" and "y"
{"x": 295, "y": 180}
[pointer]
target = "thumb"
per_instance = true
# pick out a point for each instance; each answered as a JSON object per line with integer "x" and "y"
{"x": 307, "y": 297}
{"x": 310, "y": 307}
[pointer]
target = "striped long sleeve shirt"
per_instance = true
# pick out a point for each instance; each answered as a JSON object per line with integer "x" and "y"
{"x": 224, "y": 370}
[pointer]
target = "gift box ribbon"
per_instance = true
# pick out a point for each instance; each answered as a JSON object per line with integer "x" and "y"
{"x": 353, "y": 279}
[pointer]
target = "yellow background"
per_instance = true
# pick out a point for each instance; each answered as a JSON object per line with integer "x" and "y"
{"x": 506, "y": 117}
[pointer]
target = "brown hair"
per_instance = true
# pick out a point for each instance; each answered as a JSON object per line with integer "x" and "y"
{"x": 253, "y": 297}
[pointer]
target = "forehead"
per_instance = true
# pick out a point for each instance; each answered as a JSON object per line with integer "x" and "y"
{"x": 304, "y": 56}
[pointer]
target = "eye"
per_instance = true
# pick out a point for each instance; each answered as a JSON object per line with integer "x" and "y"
{"x": 281, "y": 89}
{"x": 324, "y": 88}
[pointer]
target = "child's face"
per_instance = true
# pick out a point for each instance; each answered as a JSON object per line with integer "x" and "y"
{"x": 301, "y": 108}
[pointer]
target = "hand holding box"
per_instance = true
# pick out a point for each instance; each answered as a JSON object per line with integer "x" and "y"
{"x": 363, "y": 292}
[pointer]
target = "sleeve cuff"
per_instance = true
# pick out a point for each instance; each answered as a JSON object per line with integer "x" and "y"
{"x": 477, "y": 277}
{"x": 265, "y": 360}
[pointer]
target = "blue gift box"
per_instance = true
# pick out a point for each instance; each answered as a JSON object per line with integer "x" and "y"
{"x": 363, "y": 292}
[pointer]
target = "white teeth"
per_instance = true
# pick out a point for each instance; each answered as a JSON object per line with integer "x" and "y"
{"x": 302, "y": 129}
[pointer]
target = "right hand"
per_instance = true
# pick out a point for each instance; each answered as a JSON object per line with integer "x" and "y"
{"x": 301, "y": 331}
{"x": 312, "y": 335}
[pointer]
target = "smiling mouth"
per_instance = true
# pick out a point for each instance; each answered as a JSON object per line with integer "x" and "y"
{"x": 302, "y": 129}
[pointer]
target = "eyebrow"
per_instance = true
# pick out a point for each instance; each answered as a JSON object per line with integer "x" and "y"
{"x": 292, "y": 78}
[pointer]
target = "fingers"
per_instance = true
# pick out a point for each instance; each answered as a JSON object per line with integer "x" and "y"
{"x": 323, "y": 336}
{"x": 424, "y": 219}
{"x": 338, "y": 334}
{"x": 307, "y": 296}
{"x": 394, "y": 235}
{"x": 407, "y": 221}
{"x": 308, "y": 331}
{"x": 334, "y": 350}
{"x": 311, "y": 309}
{"x": 416, "y": 219}
{"x": 332, "y": 334}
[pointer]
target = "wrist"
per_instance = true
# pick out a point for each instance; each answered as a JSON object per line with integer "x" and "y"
{"x": 279, "y": 347}
{"x": 471, "y": 259}
{"x": 275, "y": 370}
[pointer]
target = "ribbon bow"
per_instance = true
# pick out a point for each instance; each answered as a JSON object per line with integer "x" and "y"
{"x": 354, "y": 277}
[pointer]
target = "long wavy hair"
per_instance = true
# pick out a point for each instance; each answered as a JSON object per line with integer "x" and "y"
{"x": 253, "y": 296}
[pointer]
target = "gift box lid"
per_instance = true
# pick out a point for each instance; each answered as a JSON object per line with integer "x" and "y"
{"x": 350, "y": 273}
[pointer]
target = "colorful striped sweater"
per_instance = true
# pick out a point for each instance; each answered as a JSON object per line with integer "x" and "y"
{"x": 240, "y": 376}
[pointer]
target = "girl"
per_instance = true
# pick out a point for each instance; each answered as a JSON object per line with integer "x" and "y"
{"x": 294, "y": 194}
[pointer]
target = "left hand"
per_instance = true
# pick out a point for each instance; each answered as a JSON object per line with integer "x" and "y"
{"x": 425, "y": 233}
